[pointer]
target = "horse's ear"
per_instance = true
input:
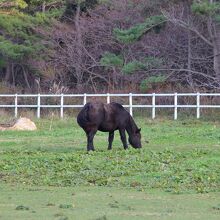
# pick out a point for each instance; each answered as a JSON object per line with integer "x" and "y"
{"x": 138, "y": 130}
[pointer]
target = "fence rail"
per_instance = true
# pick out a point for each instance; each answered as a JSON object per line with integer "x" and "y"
{"x": 16, "y": 105}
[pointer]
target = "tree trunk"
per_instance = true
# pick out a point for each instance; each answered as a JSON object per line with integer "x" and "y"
{"x": 79, "y": 74}
{"x": 189, "y": 47}
{"x": 216, "y": 50}
{"x": 43, "y": 6}
{"x": 8, "y": 72}
{"x": 25, "y": 77}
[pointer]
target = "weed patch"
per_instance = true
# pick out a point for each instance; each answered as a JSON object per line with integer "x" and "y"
{"x": 21, "y": 207}
{"x": 194, "y": 170}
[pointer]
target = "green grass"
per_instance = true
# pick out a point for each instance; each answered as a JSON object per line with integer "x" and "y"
{"x": 47, "y": 174}
{"x": 63, "y": 136}
{"x": 93, "y": 203}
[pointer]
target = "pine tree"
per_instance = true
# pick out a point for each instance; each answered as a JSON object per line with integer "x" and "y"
{"x": 19, "y": 38}
{"x": 131, "y": 36}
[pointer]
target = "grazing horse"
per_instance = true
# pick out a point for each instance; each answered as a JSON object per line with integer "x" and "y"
{"x": 108, "y": 118}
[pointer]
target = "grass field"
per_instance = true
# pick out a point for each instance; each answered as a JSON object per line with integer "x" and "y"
{"x": 48, "y": 174}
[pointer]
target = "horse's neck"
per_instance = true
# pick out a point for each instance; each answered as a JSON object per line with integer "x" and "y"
{"x": 131, "y": 126}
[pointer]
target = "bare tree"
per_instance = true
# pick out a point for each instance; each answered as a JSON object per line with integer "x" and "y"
{"x": 205, "y": 32}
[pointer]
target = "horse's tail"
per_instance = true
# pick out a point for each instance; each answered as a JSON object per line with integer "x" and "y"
{"x": 83, "y": 116}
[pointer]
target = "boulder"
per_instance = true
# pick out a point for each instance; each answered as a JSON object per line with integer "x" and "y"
{"x": 22, "y": 124}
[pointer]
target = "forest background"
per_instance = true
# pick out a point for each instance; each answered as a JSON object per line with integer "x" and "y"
{"x": 75, "y": 46}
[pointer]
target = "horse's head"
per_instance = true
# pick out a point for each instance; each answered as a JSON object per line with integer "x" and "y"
{"x": 135, "y": 139}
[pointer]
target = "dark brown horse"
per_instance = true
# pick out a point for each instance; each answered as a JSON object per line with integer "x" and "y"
{"x": 108, "y": 118}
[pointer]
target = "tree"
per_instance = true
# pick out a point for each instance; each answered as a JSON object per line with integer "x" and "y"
{"x": 209, "y": 11}
{"x": 5, "y": 4}
{"x": 135, "y": 60}
{"x": 201, "y": 22}
{"x": 73, "y": 7}
{"x": 43, "y": 5}
{"x": 21, "y": 41}
{"x": 110, "y": 45}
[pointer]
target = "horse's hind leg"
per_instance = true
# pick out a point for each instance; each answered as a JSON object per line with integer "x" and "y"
{"x": 123, "y": 138}
{"x": 110, "y": 140}
{"x": 90, "y": 137}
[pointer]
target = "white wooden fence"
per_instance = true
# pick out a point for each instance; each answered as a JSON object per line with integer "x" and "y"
{"x": 108, "y": 96}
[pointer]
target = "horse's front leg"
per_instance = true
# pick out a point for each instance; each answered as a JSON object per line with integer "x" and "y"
{"x": 123, "y": 138}
{"x": 90, "y": 137}
{"x": 110, "y": 139}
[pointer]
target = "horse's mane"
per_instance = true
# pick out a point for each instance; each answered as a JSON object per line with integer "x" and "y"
{"x": 131, "y": 126}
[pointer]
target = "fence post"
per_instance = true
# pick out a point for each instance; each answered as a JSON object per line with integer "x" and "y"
{"x": 16, "y": 105}
{"x": 38, "y": 106}
{"x": 130, "y": 104}
{"x": 153, "y": 106}
{"x": 108, "y": 98}
{"x": 198, "y": 105}
{"x": 175, "y": 106}
{"x": 84, "y": 99}
{"x": 61, "y": 105}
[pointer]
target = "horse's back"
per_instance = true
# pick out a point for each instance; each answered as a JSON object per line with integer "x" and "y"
{"x": 116, "y": 105}
{"x": 115, "y": 117}
{"x": 106, "y": 117}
